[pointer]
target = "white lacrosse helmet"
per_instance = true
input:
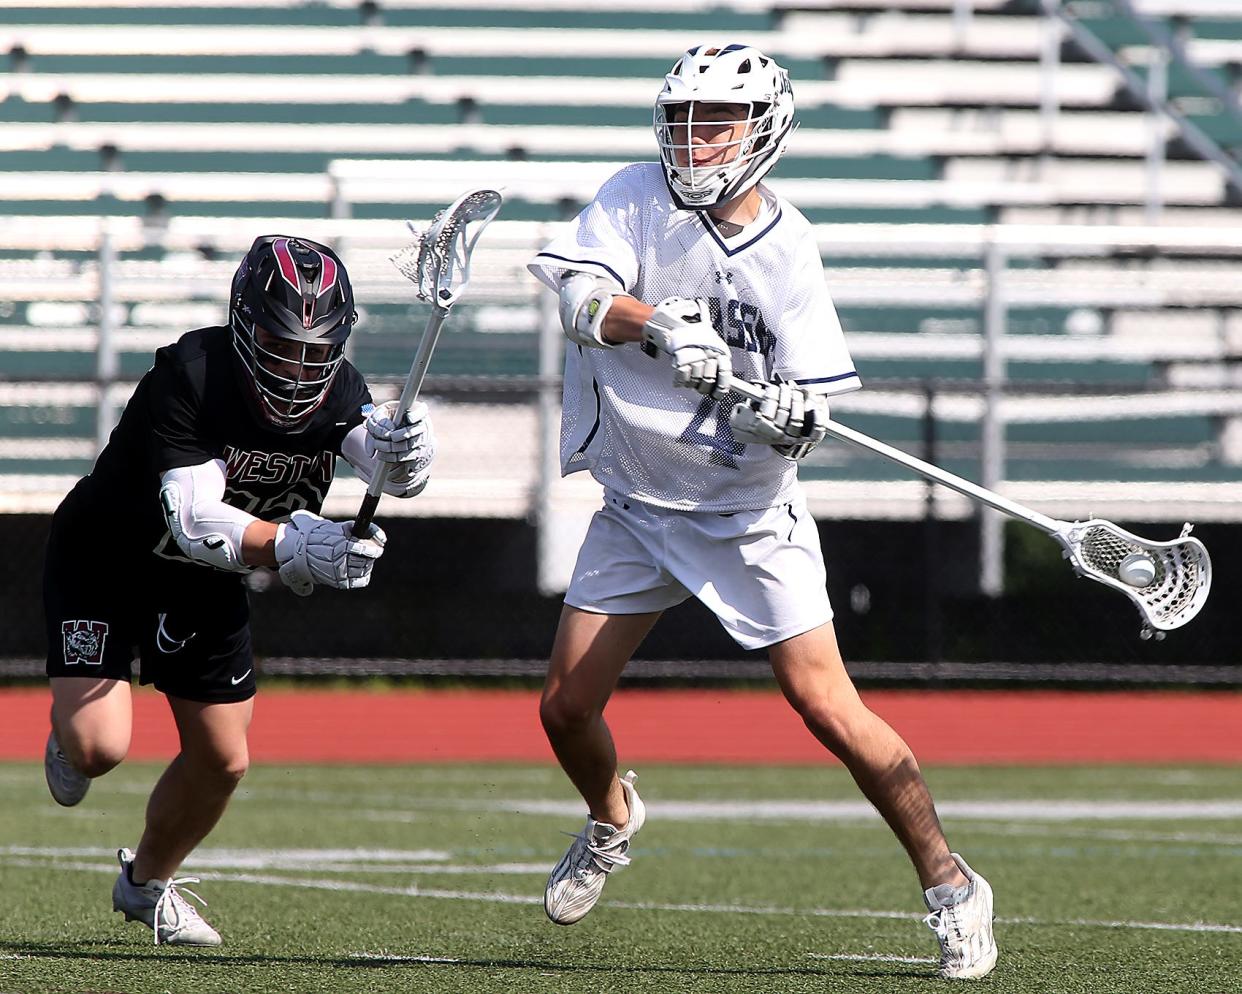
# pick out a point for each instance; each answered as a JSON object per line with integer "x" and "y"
{"x": 724, "y": 74}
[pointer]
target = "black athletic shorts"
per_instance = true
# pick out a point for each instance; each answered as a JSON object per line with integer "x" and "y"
{"x": 188, "y": 624}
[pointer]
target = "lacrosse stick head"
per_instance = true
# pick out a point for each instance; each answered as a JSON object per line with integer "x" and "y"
{"x": 1182, "y": 570}
{"x": 438, "y": 262}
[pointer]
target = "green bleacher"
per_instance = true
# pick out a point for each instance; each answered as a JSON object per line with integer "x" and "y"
{"x": 398, "y": 90}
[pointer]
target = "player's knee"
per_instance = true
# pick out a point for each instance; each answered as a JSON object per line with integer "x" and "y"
{"x": 233, "y": 770}
{"x": 95, "y": 758}
{"x": 837, "y": 724}
{"x": 222, "y": 771}
{"x": 562, "y": 715}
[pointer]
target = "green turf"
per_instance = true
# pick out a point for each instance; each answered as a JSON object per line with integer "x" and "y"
{"x": 714, "y": 901}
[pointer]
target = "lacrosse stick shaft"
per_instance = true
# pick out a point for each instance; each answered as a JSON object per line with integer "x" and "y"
{"x": 1052, "y": 526}
{"x": 413, "y": 383}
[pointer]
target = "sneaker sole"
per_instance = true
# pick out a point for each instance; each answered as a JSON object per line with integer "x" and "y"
{"x": 976, "y": 972}
{"x": 64, "y": 800}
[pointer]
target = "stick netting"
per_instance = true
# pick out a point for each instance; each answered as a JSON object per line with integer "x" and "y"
{"x": 1169, "y": 600}
{"x": 438, "y": 264}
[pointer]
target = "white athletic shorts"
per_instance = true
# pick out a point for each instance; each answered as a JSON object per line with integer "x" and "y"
{"x": 760, "y": 572}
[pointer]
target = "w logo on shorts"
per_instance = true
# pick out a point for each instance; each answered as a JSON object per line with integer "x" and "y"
{"x": 84, "y": 641}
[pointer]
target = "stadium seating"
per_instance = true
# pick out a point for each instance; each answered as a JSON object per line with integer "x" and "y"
{"x": 924, "y": 123}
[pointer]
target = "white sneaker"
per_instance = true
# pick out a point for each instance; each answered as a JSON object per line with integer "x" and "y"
{"x": 578, "y": 879}
{"x": 67, "y": 785}
{"x": 160, "y": 900}
{"x": 962, "y": 921}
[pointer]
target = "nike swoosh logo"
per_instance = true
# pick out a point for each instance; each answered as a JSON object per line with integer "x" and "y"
{"x": 238, "y": 679}
{"x": 165, "y": 643}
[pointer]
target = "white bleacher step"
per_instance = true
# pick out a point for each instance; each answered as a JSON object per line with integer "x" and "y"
{"x": 658, "y": 6}
{"x": 1210, "y": 221}
{"x": 635, "y": 143}
{"x": 798, "y": 38}
{"x": 884, "y": 5}
{"x": 911, "y": 132}
{"x": 1031, "y": 238}
{"x": 301, "y": 89}
{"x": 1203, "y": 52}
{"x": 931, "y": 83}
{"x": 859, "y": 83}
{"x": 1102, "y": 181}
{"x": 188, "y": 236}
{"x": 1012, "y": 131}
{"x": 889, "y": 34}
{"x": 1215, "y": 9}
{"x": 410, "y": 180}
{"x": 628, "y": 6}
{"x": 250, "y": 187}
{"x": 1036, "y": 348}
{"x": 1036, "y": 234}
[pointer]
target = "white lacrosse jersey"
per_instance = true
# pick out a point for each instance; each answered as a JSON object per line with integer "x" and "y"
{"x": 622, "y": 418}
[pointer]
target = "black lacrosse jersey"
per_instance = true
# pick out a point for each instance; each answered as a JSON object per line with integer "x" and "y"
{"x": 191, "y": 408}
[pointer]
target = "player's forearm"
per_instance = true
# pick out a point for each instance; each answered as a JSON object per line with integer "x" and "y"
{"x": 625, "y": 319}
{"x": 259, "y": 544}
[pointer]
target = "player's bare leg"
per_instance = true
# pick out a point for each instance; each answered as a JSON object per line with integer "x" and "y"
{"x": 187, "y": 802}
{"x": 588, "y": 655}
{"x": 813, "y": 678}
{"x": 91, "y": 721}
{"x": 193, "y": 792}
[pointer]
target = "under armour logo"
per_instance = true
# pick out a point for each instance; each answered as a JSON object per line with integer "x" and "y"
{"x": 724, "y": 277}
{"x": 84, "y": 641}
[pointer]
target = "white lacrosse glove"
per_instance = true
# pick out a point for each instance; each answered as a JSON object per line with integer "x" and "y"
{"x": 312, "y": 550}
{"x": 788, "y": 417}
{"x": 405, "y": 451}
{"x": 584, "y": 303}
{"x": 682, "y": 328}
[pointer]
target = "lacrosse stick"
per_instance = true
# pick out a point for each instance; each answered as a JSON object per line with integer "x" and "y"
{"x": 438, "y": 264}
{"x": 1180, "y": 570}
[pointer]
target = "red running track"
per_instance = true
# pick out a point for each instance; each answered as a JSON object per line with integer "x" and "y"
{"x": 691, "y": 726}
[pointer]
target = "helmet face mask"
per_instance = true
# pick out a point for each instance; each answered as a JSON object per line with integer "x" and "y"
{"x": 722, "y": 121}
{"x": 292, "y": 311}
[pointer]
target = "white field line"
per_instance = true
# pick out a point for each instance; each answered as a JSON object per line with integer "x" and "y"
{"x": 871, "y": 958}
{"x": 1111, "y": 834}
{"x": 395, "y": 958}
{"x": 256, "y": 859}
{"x": 993, "y": 810}
{"x": 307, "y": 860}
{"x": 495, "y": 897}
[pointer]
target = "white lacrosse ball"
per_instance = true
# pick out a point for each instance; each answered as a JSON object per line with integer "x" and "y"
{"x": 1137, "y": 569}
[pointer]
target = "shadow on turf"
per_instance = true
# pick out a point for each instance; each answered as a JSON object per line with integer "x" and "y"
{"x": 105, "y": 951}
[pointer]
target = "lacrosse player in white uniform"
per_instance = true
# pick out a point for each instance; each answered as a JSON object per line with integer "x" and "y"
{"x": 677, "y": 277}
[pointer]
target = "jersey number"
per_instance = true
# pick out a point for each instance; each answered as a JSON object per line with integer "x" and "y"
{"x": 721, "y": 442}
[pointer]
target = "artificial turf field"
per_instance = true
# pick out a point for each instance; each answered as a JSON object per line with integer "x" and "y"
{"x": 429, "y": 878}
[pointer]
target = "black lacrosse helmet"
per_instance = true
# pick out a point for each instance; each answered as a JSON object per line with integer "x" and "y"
{"x": 291, "y": 310}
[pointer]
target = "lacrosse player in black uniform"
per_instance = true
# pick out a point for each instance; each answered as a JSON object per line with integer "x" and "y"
{"x": 220, "y": 464}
